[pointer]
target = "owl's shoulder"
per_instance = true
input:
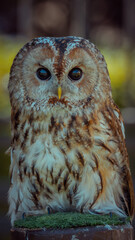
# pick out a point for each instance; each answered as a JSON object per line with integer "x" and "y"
{"x": 118, "y": 118}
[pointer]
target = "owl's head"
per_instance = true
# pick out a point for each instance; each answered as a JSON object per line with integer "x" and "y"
{"x": 58, "y": 71}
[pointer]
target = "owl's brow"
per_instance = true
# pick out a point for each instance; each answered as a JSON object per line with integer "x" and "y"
{"x": 41, "y": 65}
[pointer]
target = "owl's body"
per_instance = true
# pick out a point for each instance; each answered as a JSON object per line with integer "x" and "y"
{"x": 68, "y": 153}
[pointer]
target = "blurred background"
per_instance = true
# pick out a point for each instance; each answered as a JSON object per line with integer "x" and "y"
{"x": 108, "y": 24}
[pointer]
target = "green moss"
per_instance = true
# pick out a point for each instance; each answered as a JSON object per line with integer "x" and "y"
{"x": 69, "y": 220}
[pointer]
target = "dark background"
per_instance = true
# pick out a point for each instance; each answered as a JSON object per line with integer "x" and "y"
{"x": 109, "y": 24}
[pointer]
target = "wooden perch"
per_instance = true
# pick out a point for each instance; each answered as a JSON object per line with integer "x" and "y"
{"x": 123, "y": 232}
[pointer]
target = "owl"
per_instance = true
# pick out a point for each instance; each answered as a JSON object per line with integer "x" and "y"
{"x": 68, "y": 148}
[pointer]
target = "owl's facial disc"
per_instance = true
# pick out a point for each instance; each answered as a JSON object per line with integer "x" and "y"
{"x": 54, "y": 77}
{"x": 57, "y": 71}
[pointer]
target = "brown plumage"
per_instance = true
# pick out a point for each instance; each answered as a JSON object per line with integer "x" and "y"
{"x": 68, "y": 149}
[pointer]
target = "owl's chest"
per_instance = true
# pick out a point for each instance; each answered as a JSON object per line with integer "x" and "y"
{"x": 62, "y": 142}
{"x": 63, "y": 156}
{"x": 60, "y": 150}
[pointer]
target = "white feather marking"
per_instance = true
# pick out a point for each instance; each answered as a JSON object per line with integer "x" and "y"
{"x": 33, "y": 104}
{"x": 86, "y": 193}
{"x": 122, "y": 125}
{"x": 123, "y": 129}
{"x": 11, "y": 156}
{"x": 116, "y": 114}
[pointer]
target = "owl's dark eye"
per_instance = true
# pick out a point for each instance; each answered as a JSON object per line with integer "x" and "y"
{"x": 43, "y": 74}
{"x": 75, "y": 74}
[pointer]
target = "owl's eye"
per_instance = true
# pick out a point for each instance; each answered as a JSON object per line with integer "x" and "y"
{"x": 43, "y": 74}
{"x": 75, "y": 74}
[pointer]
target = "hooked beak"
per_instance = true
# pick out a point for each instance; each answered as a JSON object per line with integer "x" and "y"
{"x": 59, "y": 92}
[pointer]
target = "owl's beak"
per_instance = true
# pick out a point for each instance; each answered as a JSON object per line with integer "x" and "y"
{"x": 59, "y": 92}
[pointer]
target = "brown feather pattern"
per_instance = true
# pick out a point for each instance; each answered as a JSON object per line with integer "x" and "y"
{"x": 68, "y": 154}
